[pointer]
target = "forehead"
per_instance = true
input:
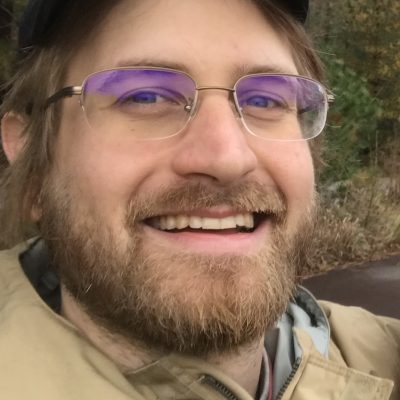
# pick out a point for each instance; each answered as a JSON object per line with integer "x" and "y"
{"x": 210, "y": 39}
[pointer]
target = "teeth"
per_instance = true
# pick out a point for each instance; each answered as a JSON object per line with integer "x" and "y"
{"x": 248, "y": 221}
{"x": 228, "y": 223}
{"x": 211, "y": 223}
{"x": 182, "y": 222}
{"x": 240, "y": 220}
{"x": 195, "y": 222}
{"x": 170, "y": 222}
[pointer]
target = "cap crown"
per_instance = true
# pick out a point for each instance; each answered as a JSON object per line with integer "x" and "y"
{"x": 41, "y": 15}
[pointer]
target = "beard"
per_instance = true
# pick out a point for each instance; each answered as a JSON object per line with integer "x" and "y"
{"x": 168, "y": 300}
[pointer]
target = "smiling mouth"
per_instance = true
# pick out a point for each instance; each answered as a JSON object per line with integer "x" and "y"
{"x": 240, "y": 223}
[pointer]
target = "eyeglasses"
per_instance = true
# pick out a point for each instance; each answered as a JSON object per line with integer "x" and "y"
{"x": 154, "y": 103}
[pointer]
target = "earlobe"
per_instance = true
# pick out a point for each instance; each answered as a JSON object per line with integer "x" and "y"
{"x": 12, "y": 138}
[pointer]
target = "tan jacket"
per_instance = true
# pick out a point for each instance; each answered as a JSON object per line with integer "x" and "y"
{"x": 43, "y": 357}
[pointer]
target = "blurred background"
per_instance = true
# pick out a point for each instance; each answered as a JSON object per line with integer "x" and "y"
{"x": 359, "y": 41}
{"x": 359, "y": 185}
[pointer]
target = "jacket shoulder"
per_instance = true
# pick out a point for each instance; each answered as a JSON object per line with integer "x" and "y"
{"x": 12, "y": 278}
{"x": 365, "y": 341}
{"x": 355, "y": 321}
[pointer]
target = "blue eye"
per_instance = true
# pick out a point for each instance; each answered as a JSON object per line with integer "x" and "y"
{"x": 262, "y": 102}
{"x": 150, "y": 97}
{"x": 150, "y": 101}
{"x": 144, "y": 97}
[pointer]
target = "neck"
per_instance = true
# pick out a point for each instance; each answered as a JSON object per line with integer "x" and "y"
{"x": 243, "y": 365}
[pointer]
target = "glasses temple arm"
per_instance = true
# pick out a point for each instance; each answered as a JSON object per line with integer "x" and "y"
{"x": 330, "y": 99}
{"x": 66, "y": 92}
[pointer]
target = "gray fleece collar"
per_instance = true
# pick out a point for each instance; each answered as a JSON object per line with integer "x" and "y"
{"x": 305, "y": 313}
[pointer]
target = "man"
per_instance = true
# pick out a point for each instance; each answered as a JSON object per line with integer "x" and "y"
{"x": 161, "y": 150}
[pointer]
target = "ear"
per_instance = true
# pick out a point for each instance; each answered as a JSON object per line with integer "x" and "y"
{"x": 12, "y": 128}
{"x": 13, "y": 140}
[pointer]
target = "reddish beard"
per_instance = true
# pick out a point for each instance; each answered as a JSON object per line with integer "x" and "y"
{"x": 172, "y": 301}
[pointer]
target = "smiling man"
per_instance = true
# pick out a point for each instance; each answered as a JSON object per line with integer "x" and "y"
{"x": 160, "y": 149}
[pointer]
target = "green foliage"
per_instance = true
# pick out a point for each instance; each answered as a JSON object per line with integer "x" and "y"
{"x": 366, "y": 34}
{"x": 373, "y": 28}
{"x": 352, "y": 126}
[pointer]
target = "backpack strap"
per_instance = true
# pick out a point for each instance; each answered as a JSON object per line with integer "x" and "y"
{"x": 42, "y": 275}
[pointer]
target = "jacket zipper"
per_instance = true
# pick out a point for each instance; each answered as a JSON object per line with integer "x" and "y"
{"x": 219, "y": 387}
{"x": 222, "y": 389}
{"x": 295, "y": 367}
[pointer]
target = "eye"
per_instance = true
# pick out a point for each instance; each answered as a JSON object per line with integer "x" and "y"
{"x": 262, "y": 102}
{"x": 145, "y": 98}
{"x": 146, "y": 102}
{"x": 149, "y": 101}
{"x": 149, "y": 97}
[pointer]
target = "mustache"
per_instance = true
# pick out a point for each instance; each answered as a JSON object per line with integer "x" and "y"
{"x": 252, "y": 197}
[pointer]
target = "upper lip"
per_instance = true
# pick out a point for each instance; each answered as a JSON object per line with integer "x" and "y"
{"x": 214, "y": 212}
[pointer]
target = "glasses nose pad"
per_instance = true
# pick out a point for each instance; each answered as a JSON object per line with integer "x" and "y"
{"x": 235, "y": 105}
{"x": 191, "y": 107}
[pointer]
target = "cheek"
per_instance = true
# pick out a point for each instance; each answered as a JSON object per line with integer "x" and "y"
{"x": 104, "y": 173}
{"x": 300, "y": 175}
{"x": 291, "y": 167}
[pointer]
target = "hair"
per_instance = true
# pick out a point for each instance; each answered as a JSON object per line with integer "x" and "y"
{"x": 41, "y": 71}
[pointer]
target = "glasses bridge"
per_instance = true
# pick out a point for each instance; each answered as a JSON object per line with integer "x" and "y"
{"x": 202, "y": 88}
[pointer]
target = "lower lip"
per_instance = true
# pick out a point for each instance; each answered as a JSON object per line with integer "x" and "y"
{"x": 220, "y": 242}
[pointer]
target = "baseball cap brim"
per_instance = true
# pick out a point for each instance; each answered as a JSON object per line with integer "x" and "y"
{"x": 42, "y": 15}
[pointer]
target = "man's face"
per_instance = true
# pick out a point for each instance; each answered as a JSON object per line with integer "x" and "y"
{"x": 192, "y": 290}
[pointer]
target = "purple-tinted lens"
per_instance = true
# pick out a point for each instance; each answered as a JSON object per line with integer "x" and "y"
{"x": 281, "y": 107}
{"x": 152, "y": 103}
{"x": 144, "y": 102}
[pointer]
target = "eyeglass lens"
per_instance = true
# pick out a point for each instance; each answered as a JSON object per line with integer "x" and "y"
{"x": 157, "y": 103}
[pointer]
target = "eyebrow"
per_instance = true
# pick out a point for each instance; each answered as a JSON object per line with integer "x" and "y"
{"x": 237, "y": 70}
{"x": 143, "y": 62}
{"x": 247, "y": 69}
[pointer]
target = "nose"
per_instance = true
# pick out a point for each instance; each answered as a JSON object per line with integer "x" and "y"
{"x": 215, "y": 144}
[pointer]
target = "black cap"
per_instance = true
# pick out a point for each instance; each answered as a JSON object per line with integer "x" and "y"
{"x": 298, "y": 8}
{"x": 41, "y": 15}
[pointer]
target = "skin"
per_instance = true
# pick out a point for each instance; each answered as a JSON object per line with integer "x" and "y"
{"x": 214, "y": 149}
